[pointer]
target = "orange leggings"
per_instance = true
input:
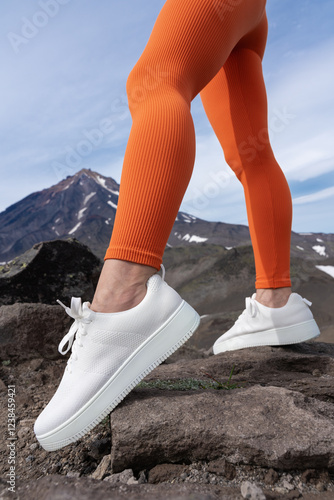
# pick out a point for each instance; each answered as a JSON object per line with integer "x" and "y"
{"x": 215, "y": 48}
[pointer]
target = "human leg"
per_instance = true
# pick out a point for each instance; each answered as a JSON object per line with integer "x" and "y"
{"x": 235, "y": 102}
{"x": 112, "y": 352}
{"x": 236, "y": 105}
{"x": 189, "y": 44}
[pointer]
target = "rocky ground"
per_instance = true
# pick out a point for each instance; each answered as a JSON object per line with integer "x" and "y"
{"x": 255, "y": 423}
{"x": 187, "y": 432}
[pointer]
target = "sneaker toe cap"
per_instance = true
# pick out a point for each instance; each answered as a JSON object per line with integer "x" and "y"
{"x": 44, "y": 423}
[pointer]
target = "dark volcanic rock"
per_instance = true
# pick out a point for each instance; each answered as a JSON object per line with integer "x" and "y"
{"x": 222, "y": 467}
{"x": 263, "y": 426}
{"x": 165, "y": 472}
{"x": 258, "y": 424}
{"x": 28, "y": 331}
{"x": 49, "y": 271}
{"x": 235, "y": 431}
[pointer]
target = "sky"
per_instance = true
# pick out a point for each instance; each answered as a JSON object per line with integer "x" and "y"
{"x": 63, "y": 103}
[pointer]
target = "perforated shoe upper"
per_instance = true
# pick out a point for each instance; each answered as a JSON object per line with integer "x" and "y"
{"x": 257, "y": 318}
{"x": 102, "y": 343}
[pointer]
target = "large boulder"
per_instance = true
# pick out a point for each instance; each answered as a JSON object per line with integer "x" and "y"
{"x": 30, "y": 331}
{"x": 49, "y": 271}
{"x": 262, "y": 426}
{"x": 278, "y": 411}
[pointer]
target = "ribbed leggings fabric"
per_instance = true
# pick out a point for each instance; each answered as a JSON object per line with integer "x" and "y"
{"x": 215, "y": 48}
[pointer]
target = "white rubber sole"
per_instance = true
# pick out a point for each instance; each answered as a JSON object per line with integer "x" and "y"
{"x": 158, "y": 347}
{"x": 294, "y": 334}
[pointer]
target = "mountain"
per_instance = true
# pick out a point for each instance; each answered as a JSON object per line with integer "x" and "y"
{"x": 84, "y": 206}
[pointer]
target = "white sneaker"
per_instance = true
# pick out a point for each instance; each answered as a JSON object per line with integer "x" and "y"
{"x": 259, "y": 325}
{"x": 110, "y": 355}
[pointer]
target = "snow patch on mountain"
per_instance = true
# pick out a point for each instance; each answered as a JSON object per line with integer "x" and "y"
{"x": 112, "y": 204}
{"x": 299, "y": 248}
{"x": 80, "y": 213}
{"x": 320, "y": 240}
{"x": 327, "y": 269}
{"x": 321, "y": 250}
{"x": 182, "y": 217}
{"x": 75, "y": 228}
{"x": 68, "y": 185}
{"x": 194, "y": 238}
{"x": 102, "y": 183}
{"x": 88, "y": 197}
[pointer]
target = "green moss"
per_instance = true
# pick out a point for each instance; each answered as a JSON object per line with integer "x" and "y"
{"x": 6, "y": 363}
{"x": 191, "y": 384}
{"x": 105, "y": 421}
{"x": 188, "y": 384}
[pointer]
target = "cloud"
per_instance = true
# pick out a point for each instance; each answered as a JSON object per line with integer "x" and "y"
{"x": 305, "y": 148}
{"x": 319, "y": 195}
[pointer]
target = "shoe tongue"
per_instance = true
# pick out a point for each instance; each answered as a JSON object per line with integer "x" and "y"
{"x": 154, "y": 282}
{"x": 87, "y": 310}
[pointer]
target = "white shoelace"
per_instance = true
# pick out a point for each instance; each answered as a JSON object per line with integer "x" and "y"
{"x": 251, "y": 309}
{"x": 77, "y": 330}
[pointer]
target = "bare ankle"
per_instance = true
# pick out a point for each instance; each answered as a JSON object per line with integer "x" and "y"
{"x": 273, "y": 297}
{"x": 107, "y": 301}
{"x": 122, "y": 285}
